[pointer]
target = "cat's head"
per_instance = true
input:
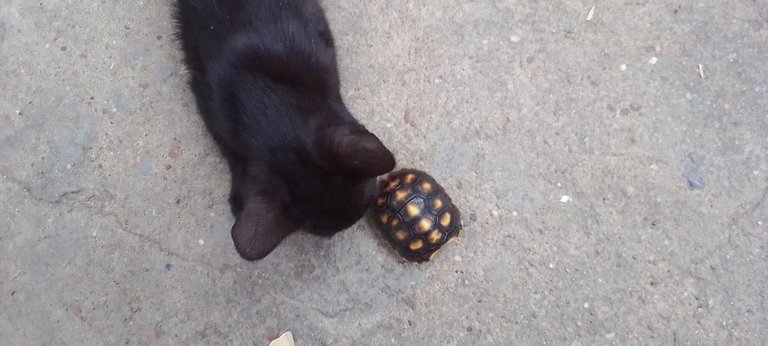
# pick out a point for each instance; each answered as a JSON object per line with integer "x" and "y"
{"x": 322, "y": 187}
{"x": 348, "y": 161}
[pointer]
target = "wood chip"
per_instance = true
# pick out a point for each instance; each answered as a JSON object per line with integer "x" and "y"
{"x": 591, "y": 13}
{"x": 701, "y": 71}
{"x": 284, "y": 340}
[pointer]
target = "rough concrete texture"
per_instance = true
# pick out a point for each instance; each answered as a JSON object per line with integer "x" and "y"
{"x": 611, "y": 194}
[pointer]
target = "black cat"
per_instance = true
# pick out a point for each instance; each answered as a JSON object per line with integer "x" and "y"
{"x": 266, "y": 82}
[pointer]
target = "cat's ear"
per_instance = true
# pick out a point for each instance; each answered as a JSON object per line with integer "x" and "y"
{"x": 352, "y": 148}
{"x": 259, "y": 228}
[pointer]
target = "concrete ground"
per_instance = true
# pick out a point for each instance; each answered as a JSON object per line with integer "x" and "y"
{"x": 614, "y": 191}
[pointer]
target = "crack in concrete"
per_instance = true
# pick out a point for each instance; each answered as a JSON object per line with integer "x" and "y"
{"x": 736, "y": 225}
{"x": 301, "y": 306}
{"x": 27, "y": 189}
{"x": 123, "y": 225}
{"x": 142, "y": 238}
{"x": 759, "y": 202}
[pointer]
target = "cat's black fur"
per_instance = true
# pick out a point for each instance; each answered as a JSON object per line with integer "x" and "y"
{"x": 265, "y": 78}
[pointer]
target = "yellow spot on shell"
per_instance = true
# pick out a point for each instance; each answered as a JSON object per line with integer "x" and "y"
{"x": 401, "y": 195}
{"x": 412, "y": 210}
{"x": 395, "y": 222}
{"x": 426, "y": 187}
{"x": 438, "y": 204}
{"x": 384, "y": 217}
{"x": 435, "y": 237}
{"x": 409, "y": 178}
{"x": 381, "y": 201}
{"x": 416, "y": 245}
{"x": 425, "y": 225}
{"x": 401, "y": 235}
{"x": 445, "y": 220}
{"x": 392, "y": 184}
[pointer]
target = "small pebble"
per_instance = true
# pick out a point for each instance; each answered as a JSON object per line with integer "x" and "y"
{"x": 610, "y": 335}
{"x": 653, "y": 60}
{"x": 565, "y": 199}
{"x": 168, "y": 266}
{"x": 201, "y": 242}
{"x": 495, "y": 214}
{"x": 694, "y": 180}
{"x": 623, "y": 67}
{"x": 514, "y": 38}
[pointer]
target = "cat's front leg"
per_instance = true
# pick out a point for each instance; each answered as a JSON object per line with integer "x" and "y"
{"x": 237, "y": 173}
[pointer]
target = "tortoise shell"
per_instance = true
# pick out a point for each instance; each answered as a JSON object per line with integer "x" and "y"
{"x": 415, "y": 214}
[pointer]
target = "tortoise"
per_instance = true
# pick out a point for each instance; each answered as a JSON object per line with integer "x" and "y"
{"x": 415, "y": 214}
